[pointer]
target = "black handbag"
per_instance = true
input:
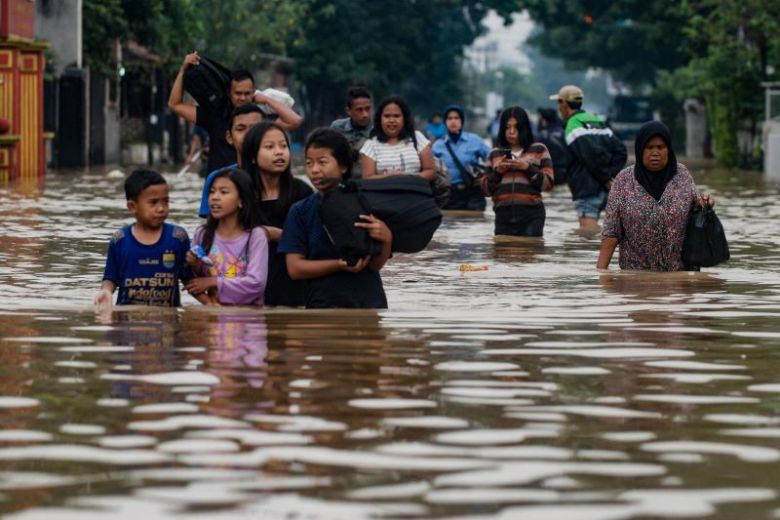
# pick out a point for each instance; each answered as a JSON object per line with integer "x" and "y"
{"x": 705, "y": 242}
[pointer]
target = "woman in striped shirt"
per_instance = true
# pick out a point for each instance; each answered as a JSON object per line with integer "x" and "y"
{"x": 521, "y": 171}
{"x": 395, "y": 148}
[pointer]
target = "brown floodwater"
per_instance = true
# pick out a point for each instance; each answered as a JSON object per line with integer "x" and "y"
{"x": 536, "y": 389}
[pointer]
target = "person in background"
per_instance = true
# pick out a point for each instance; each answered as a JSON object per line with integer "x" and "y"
{"x": 199, "y": 142}
{"x": 241, "y": 121}
{"x": 146, "y": 259}
{"x": 395, "y": 147}
{"x": 357, "y": 126}
{"x": 266, "y": 157}
{"x": 311, "y": 256}
{"x": 549, "y": 132}
{"x": 522, "y": 170}
{"x": 435, "y": 129}
{"x": 242, "y": 91}
{"x": 594, "y": 156}
{"x": 462, "y": 152}
{"x": 649, "y": 206}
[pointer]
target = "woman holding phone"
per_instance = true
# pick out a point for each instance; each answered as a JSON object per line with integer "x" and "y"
{"x": 521, "y": 170}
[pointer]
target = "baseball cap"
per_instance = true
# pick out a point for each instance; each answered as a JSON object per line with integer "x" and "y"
{"x": 569, "y": 93}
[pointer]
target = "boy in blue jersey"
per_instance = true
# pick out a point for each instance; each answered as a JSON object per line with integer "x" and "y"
{"x": 145, "y": 260}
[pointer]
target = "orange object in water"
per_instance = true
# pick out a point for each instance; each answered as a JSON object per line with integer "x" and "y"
{"x": 468, "y": 267}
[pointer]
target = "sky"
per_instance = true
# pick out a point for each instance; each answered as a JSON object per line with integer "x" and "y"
{"x": 501, "y": 45}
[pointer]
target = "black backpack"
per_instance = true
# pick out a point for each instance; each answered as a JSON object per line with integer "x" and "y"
{"x": 339, "y": 209}
{"x": 705, "y": 242}
{"x": 209, "y": 84}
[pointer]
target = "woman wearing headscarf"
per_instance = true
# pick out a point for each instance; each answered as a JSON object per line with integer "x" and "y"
{"x": 649, "y": 206}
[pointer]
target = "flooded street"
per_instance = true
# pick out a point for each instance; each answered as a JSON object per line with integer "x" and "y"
{"x": 537, "y": 389}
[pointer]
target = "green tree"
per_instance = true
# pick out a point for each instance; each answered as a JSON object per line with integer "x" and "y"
{"x": 406, "y": 47}
{"x": 633, "y": 39}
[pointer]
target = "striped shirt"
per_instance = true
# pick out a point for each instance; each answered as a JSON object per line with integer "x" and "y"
{"x": 521, "y": 187}
{"x": 400, "y": 156}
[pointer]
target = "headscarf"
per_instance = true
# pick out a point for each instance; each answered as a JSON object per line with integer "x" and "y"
{"x": 459, "y": 109}
{"x": 654, "y": 182}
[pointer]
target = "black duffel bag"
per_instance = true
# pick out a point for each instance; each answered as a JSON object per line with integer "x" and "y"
{"x": 705, "y": 242}
{"x": 403, "y": 202}
{"x": 406, "y": 204}
{"x": 209, "y": 84}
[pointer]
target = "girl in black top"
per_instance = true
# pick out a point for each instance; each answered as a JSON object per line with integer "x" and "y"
{"x": 266, "y": 157}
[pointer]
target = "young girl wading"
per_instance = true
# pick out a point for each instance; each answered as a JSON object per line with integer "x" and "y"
{"x": 266, "y": 157}
{"x": 330, "y": 281}
{"x": 237, "y": 251}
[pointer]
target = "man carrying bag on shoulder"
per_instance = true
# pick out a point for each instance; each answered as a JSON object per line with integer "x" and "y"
{"x": 462, "y": 152}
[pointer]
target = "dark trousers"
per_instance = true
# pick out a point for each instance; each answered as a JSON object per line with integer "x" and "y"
{"x": 463, "y": 197}
{"x": 520, "y": 220}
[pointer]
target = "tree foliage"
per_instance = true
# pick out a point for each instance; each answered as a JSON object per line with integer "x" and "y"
{"x": 716, "y": 50}
{"x": 631, "y": 38}
{"x": 405, "y": 47}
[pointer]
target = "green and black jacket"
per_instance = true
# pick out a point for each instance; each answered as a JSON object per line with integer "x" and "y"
{"x": 594, "y": 154}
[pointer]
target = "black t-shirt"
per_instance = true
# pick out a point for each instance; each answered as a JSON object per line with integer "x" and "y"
{"x": 280, "y": 288}
{"x": 221, "y": 153}
{"x": 304, "y": 234}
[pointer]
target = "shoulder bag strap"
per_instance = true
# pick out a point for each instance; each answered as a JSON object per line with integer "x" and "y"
{"x": 462, "y": 169}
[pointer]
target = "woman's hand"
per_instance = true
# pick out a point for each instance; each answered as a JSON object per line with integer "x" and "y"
{"x": 200, "y": 285}
{"x": 377, "y": 229}
{"x": 705, "y": 199}
{"x": 512, "y": 164}
{"x": 359, "y": 266}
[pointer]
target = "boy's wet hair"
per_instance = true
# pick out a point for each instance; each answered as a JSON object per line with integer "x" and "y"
{"x": 139, "y": 180}
{"x": 241, "y": 75}
{"x": 357, "y": 91}
{"x": 333, "y": 140}
{"x": 244, "y": 109}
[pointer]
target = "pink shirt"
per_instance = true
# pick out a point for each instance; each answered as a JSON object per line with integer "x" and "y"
{"x": 240, "y": 265}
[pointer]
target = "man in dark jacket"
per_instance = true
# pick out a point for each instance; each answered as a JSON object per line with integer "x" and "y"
{"x": 594, "y": 156}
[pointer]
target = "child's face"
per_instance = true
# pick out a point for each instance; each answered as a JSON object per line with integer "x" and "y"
{"x": 151, "y": 207}
{"x": 224, "y": 200}
{"x": 273, "y": 156}
{"x": 322, "y": 168}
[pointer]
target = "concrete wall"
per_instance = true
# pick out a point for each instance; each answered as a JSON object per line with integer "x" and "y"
{"x": 59, "y": 23}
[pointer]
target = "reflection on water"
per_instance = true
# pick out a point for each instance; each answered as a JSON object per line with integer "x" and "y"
{"x": 537, "y": 388}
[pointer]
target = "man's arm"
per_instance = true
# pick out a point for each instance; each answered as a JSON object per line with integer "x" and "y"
{"x": 288, "y": 119}
{"x": 176, "y": 99}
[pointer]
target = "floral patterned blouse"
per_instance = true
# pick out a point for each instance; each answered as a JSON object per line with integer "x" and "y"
{"x": 650, "y": 233}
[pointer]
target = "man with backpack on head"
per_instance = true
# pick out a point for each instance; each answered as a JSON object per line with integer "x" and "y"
{"x": 594, "y": 156}
{"x": 216, "y": 121}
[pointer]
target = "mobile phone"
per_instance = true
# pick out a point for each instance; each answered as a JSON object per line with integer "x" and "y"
{"x": 507, "y": 153}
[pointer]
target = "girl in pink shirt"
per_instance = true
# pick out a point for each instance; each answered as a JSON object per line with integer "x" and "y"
{"x": 237, "y": 250}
